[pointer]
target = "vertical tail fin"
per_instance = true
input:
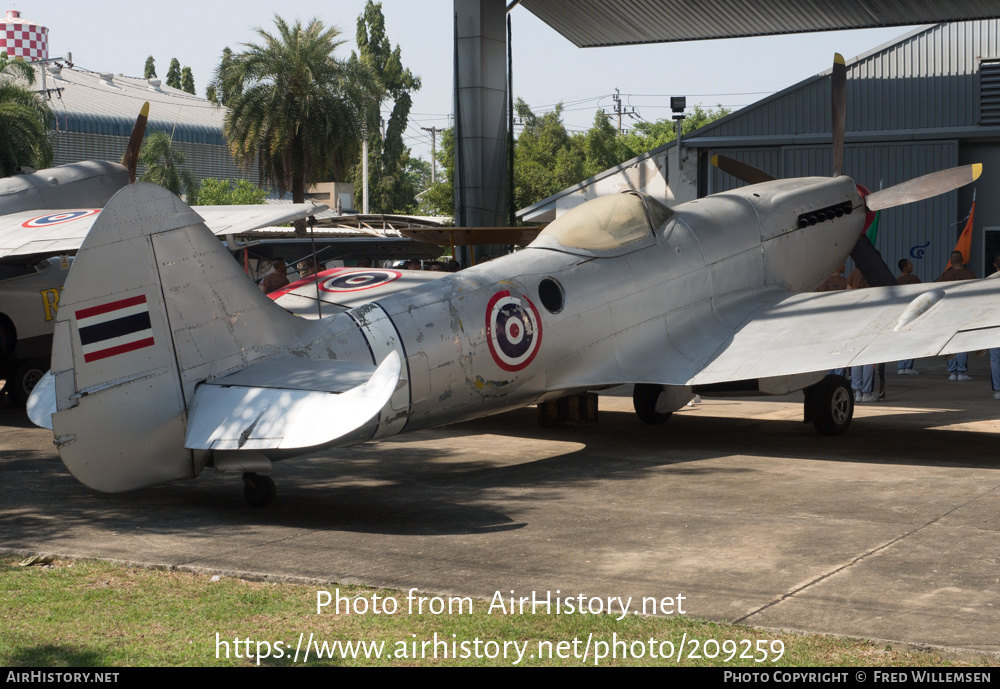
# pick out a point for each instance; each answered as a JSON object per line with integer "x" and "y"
{"x": 153, "y": 305}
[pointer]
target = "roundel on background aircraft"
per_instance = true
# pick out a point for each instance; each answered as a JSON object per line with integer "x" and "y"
{"x": 513, "y": 332}
{"x": 51, "y": 219}
{"x": 355, "y": 281}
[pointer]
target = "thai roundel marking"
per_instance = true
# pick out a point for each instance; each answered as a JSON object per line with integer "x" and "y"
{"x": 355, "y": 281}
{"x": 513, "y": 332}
{"x": 58, "y": 218}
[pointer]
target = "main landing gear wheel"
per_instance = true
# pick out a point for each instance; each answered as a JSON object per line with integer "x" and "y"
{"x": 644, "y": 398}
{"x": 26, "y": 377}
{"x": 830, "y": 405}
{"x": 258, "y": 490}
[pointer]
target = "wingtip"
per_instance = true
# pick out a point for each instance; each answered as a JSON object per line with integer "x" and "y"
{"x": 838, "y": 59}
{"x": 977, "y": 169}
{"x": 715, "y": 160}
{"x": 144, "y": 112}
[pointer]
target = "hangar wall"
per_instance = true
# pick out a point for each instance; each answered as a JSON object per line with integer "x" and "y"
{"x": 916, "y": 105}
{"x": 927, "y": 101}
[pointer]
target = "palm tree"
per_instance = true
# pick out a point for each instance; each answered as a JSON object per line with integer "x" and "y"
{"x": 163, "y": 166}
{"x": 24, "y": 119}
{"x": 294, "y": 108}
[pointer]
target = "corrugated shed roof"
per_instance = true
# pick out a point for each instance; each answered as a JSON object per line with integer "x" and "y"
{"x": 925, "y": 81}
{"x": 88, "y": 102}
{"x": 592, "y": 23}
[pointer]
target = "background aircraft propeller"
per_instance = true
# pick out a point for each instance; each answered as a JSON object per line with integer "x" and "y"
{"x": 131, "y": 158}
{"x": 864, "y": 254}
{"x": 742, "y": 171}
{"x": 838, "y": 97}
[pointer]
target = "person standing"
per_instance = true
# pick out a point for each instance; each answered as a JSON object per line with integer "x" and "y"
{"x": 906, "y": 277}
{"x": 958, "y": 365}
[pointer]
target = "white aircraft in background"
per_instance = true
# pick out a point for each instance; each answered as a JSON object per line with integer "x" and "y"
{"x": 44, "y": 216}
{"x": 180, "y": 363}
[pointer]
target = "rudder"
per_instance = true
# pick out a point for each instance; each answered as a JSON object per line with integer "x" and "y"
{"x": 153, "y": 305}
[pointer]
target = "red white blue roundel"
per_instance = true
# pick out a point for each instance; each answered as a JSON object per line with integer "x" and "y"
{"x": 58, "y": 218}
{"x": 513, "y": 331}
{"x": 358, "y": 280}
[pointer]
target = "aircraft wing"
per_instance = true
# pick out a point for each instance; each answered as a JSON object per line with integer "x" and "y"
{"x": 340, "y": 289}
{"x": 772, "y": 333}
{"x": 786, "y": 333}
{"x": 47, "y": 233}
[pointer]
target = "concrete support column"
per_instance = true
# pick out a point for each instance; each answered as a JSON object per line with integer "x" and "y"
{"x": 481, "y": 113}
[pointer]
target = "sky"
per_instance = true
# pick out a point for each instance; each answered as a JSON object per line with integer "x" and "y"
{"x": 117, "y": 36}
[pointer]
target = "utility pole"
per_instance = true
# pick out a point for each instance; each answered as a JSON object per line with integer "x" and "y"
{"x": 433, "y": 131}
{"x": 619, "y": 111}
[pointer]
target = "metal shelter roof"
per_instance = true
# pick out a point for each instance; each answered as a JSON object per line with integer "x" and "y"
{"x": 105, "y": 103}
{"x": 593, "y": 23}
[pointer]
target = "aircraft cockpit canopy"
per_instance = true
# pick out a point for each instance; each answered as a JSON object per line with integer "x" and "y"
{"x": 609, "y": 222}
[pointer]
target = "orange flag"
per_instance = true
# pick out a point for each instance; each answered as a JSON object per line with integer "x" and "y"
{"x": 964, "y": 243}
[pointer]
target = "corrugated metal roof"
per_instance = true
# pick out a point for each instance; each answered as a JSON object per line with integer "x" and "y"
{"x": 592, "y": 23}
{"x": 925, "y": 81}
{"x": 87, "y": 102}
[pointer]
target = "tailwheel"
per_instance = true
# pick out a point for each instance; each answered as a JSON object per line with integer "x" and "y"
{"x": 644, "y": 398}
{"x": 830, "y": 405}
{"x": 258, "y": 490}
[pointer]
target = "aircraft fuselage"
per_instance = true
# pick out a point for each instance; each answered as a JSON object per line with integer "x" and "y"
{"x": 551, "y": 319}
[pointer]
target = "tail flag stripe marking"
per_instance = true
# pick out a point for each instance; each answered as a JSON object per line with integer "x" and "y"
{"x": 120, "y": 349}
{"x": 114, "y": 328}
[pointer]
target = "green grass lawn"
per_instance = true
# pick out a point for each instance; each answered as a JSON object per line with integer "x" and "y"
{"x": 73, "y": 613}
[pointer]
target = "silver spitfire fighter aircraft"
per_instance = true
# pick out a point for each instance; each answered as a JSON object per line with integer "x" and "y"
{"x": 178, "y": 362}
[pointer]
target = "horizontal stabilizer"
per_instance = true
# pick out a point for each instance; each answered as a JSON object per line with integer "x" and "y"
{"x": 289, "y": 404}
{"x": 42, "y": 401}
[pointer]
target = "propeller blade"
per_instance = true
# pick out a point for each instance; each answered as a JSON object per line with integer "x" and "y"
{"x": 924, "y": 187}
{"x": 870, "y": 263}
{"x": 742, "y": 171}
{"x": 838, "y": 97}
{"x": 131, "y": 158}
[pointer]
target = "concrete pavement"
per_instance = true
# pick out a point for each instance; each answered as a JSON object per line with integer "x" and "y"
{"x": 888, "y": 532}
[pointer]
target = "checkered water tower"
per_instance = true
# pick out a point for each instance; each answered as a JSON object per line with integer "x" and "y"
{"x": 22, "y": 38}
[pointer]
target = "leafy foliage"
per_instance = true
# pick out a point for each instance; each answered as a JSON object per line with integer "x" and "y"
{"x": 440, "y": 197}
{"x": 174, "y": 74}
{"x": 149, "y": 72}
{"x": 187, "y": 80}
{"x": 547, "y": 159}
{"x": 163, "y": 163}
{"x": 294, "y": 108}
{"x": 24, "y": 119}
{"x": 390, "y": 188}
{"x": 224, "y": 192}
{"x": 215, "y": 91}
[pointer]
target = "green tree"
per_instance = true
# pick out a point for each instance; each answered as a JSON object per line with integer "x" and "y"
{"x": 546, "y": 158}
{"x": 174, "y": 74}
{"x": 390, "y": 188}
{"x": 219, "y": 80}
{"x": 163, "y": 163}
{"x": 646, "y": 136}
{"x": 439, "y": 199}
{"x": 187, "y": 80}
{"x": 211, "y": 94}
{"x": 24, "y": 119}
{"x": 224, "y": 192}
{"x": 150, "y": 70}
{"x": 294, "y": 108}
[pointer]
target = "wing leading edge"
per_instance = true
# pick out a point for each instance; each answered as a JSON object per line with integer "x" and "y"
{"x": 47, "y": 233}
{"x": 778, "y": 333}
